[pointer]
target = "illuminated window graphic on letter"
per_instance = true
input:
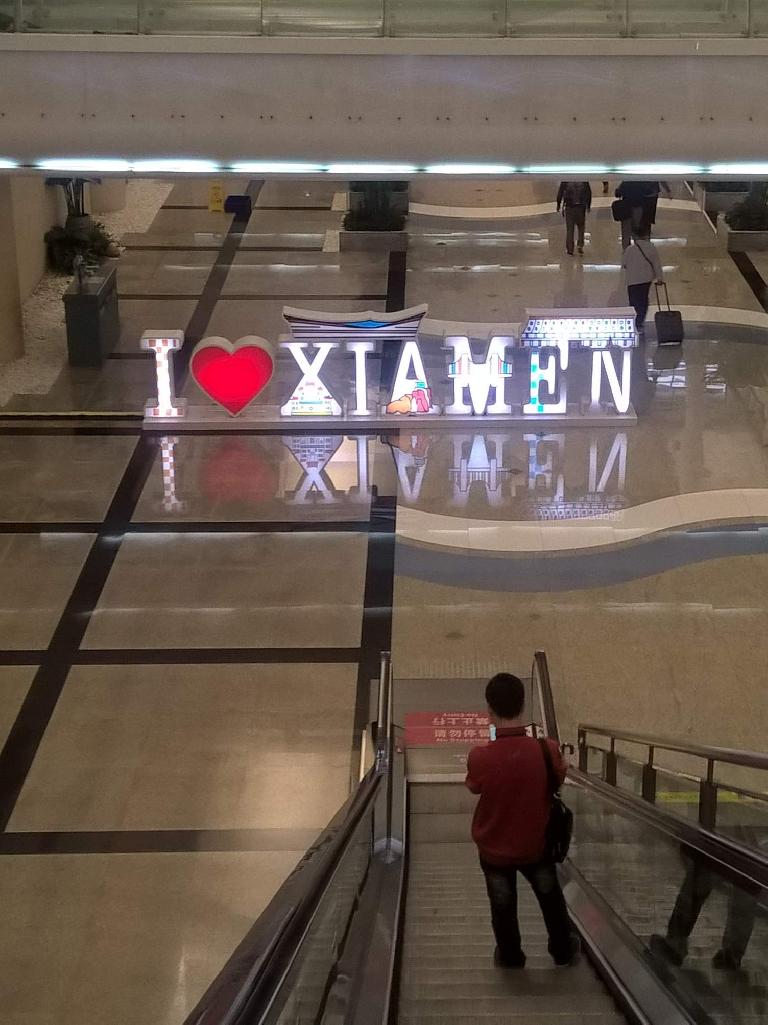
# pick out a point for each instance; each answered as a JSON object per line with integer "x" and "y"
{"x": 163, "y": 344}
{"x": 545, "y": 371}
{"x": 310, "y": 397}
{"x": 478, "y": 378}
{"x": 313, "y": 455}
{"x": 481, "y": 465}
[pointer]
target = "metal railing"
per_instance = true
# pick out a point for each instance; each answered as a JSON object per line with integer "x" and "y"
{"x": 393, "y": 18}
{"x": 709, "y": 786}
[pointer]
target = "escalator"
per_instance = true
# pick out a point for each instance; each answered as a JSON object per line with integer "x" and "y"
{"x": 386, "y": 920}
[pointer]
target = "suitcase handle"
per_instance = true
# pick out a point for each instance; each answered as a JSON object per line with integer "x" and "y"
{"x": 666, "y": 295}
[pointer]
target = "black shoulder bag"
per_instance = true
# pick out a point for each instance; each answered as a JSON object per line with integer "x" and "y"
{"x": 557, "y": 838}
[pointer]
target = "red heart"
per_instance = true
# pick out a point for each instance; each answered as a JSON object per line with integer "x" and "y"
{"x": 238, "y": 470}
{"x": 232, "y": 374}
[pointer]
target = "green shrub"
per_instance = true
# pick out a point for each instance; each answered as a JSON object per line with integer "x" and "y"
{"x": 751, "y": 214}
{"x": 62, "y": 248}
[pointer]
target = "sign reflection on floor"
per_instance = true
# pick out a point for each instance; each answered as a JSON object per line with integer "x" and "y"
{"x": 483, "y": 467}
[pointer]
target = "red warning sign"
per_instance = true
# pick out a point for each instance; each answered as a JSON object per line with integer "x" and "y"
{"x": 425, "y": 729}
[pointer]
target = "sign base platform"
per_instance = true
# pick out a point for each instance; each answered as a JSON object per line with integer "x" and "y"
{"x": 268, "y": 418}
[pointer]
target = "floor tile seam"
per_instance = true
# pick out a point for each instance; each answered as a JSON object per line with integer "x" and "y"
{"x": 20, "y": 843}
{"x": 68, "y": 430}
{"x": 752, "y": 276}
{"x": 25, "y": 735}
{"x": 190, "y": 527}
{"x": 378, "y": 588}
{"x": 216, "y": 249}
{"x": 308, "y": 655}
{"x": 286, "y": 297}
{"x": 214, "y": 285}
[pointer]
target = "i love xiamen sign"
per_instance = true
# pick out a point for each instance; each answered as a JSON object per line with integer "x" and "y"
{"x": 563, "y": 364}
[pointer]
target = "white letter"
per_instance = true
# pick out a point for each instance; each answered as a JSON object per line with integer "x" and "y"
{"x": 618, "y": 451}
{"x": 168, "y": 465}
{"x": 478, "y": 378}
{"x": 619, "y": 392}
{"x": 404, "y": 383}
{"x": 361, "y": 375}
{"x": 163, "y": 344}
{"x": 310, "y": 397}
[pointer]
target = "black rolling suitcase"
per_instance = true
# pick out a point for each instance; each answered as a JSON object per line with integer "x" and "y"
{"x": 669, "y": 322}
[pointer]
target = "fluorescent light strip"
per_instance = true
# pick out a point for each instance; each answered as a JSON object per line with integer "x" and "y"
{"x": 275, "y": 167}
{"x": 176, "y": 166}
{"x": 661, "y": 169}
{"x": 372, "y": 169}
{"x": 470, "y": 169}
{"x": 746, "y": 169}
{"x": 93, "y": 165}
{"x": 110, "y": 165}
{"x": 567, "y": 169}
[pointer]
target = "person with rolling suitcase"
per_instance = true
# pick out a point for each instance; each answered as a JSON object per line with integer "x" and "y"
{"x": 641, "y": 265}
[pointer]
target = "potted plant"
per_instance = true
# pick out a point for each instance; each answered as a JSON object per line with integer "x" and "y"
{"x": 748, "y": 220}
{"x": 81, "y": 236}
{"x": 376, "y": 215}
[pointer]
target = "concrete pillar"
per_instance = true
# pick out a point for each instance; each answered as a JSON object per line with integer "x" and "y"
{"x": 11, "y": 330}
{"x": 108, "y": 197}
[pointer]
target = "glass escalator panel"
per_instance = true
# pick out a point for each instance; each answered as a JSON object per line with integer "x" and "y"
{"x": 304, "y": 988}
{"x": 703, "y": 928}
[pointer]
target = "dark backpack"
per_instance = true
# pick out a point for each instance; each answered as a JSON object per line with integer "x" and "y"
{"x": 557, "y": 838}
{"x": 575, "y": 194}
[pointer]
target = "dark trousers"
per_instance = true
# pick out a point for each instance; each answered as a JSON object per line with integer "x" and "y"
{"x": 697, "y": 886}
{"x": 501, "y": 884}
{"x": 575, "y": 217}
{"x": 639, "y": 298}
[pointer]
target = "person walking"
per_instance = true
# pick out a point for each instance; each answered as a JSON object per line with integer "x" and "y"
{"x": 511, "y": 776}
{"x": 641, "y": 266}
{"x": 642, "y": 198}
{"x": 576, "y": 201}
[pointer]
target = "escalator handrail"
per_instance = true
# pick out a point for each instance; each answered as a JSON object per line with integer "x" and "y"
{"x": 748, "y": 862}
{"x": 249, "y": 980}
{"x": 543, "y": 683}
{"x": 733, "y": 756}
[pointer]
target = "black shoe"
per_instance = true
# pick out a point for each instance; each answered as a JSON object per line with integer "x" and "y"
{"x": 518, "y": 961}
{"x": 581, "y": 250}
{"x": 667, "y": 949}
{"x": 726, "y": 960}
{"x": 572, "y": 956}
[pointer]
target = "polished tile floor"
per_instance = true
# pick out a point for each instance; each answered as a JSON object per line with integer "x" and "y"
{"x": 189, "y": 623}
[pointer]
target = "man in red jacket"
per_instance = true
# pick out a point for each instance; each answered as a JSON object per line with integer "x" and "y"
{"x": 510, "y": 775}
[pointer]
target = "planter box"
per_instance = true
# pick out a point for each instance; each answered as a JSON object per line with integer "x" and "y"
{"x": 92, "y": 318}
{"x": 714, "y": 203}
{"x": 378, "y": 241}
{"x": 743, "y": 241}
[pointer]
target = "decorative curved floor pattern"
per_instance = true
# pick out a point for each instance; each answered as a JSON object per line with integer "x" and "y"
{"x": 579, "y": 570}
{"x": 514, "y": 537}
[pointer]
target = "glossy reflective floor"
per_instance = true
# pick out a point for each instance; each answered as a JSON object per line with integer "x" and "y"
{"x": 189, "y": 623}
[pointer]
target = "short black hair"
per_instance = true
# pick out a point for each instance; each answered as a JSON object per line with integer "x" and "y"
{"x": 505, "y": 695}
